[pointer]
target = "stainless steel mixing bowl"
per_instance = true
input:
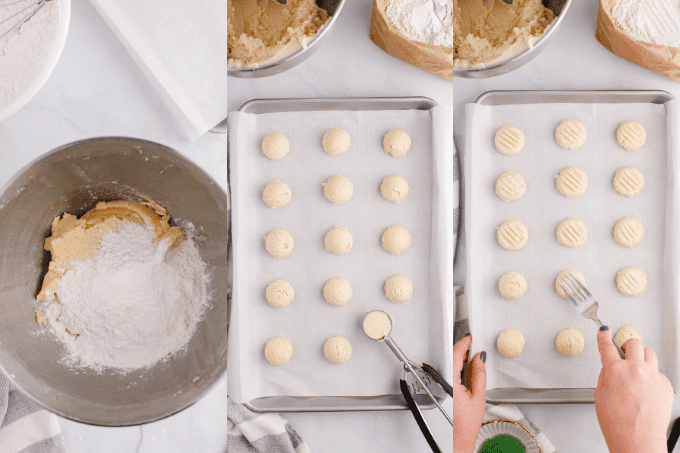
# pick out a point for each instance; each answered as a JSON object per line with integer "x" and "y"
{"x": 333, "y": 8}
{"x": 72, "y": 179}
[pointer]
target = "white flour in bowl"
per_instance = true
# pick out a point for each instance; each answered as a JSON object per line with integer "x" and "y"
{"x": 651, "y": 21}
{"x": 417, "y": 20}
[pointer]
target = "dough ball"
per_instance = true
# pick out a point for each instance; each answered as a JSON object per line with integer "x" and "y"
{"x": 335, "y": 141}
{"x": 512, "y": 235}
{"x": 279, "y": 293}
{"x": 337, "y": 291}
{"x": 396, "y": 142}
{"x": 377, "y": 325}
{"x": 509, "y": 140}
{"x": 565, "y": 273}
{"x": 276, "y": 194}
{"x": 629, "y": 231}
{"x": 338, "y": 240}
{"x": 337, "y": 349}
{"x": 628, "y": 181}
{"x": 570, "y": 342}
{"x": 394, "y": 188}
{"x": 631, "y": 135}
{"x": 572, "y": 182}
{"x": 279, "y": 243}
{"x": 626, "y": 333}
{"x": 275, "y": 146}
{"x": 338, "y": 189}
{"x": 396, "y": 239}
{"x": 398, "y": 288}
{"x": 510, "y": 343}
{"x": 512, "y": 285}
{"x": 278, "y": 350}
{"x": 631, "y": 281}
{"x": 570, "y": 134}
{"x": 571, "y": 232}
{"x": 510, "y": 186}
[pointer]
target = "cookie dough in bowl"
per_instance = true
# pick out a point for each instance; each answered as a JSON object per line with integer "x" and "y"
{"x": 278, "y": 350}
{"x": 279, "y": 293}
{"x": 394, "y": 188}
{"x": 510, "y": 343}
{"x": 279, "y": 243}
{"x": 338, "y": 189}
{"x": 337, "y": 291}
{"x": 396, "y": 239}
{"x": 512, "y": 285}
{"x": 337, "y": 349}
{"x": 338, "y": 240}
{"x": 398, "y": 288}
{"x": 570, "y": 342}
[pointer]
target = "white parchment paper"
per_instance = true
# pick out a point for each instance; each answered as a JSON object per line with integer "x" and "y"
{"x": 540, "y": 314}
{"x": 421, "y": 326}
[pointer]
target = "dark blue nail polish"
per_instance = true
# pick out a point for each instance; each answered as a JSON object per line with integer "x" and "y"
{"x": 482, "y": 356}
{"x": 604, "y": 328}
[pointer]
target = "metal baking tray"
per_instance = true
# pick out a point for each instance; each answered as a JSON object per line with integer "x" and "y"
{"x": 335, "y": 403}
{"x": 519, "y": 395}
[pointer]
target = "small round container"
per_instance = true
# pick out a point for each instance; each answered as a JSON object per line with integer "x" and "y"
{"x": 495, "y": 428}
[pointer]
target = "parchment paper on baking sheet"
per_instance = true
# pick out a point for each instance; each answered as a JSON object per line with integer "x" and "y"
{"x": 540, "y": 313}
{"x": 421, "y": 326}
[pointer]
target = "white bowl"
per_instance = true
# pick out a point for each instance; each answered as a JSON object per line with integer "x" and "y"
{"x": 494, "y": 428}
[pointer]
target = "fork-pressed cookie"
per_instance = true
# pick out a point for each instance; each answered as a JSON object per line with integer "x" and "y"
{"x": 572, "y": 182}
{"x": 510, "y": 186}
{"x": 628, "y": 181}
{"x": 509, "y": 140}
{"x": 570, "y": 134}
{"x": 631, "y": 281}
{"x": 571, "y": 232}
{"x": 629, "y": 231}
{"x": 565, "y": 274}
{"x": 512, "y": 235}
{"x": 631, "y": 135}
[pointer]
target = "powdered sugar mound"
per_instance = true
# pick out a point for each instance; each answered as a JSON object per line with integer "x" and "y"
{"x": 418, "y": 21}
{"x": 651, "y": 21}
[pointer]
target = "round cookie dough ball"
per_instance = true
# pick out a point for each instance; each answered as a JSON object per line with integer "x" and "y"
{"x": 509, "y": 140}
{"x": 276, "y": 194}
{"x": 570, "y": 134}
{"x": 572, "y": 182}
{"x": 629, "y": 232}
{"x": 396, "y": 239}
{"x": 377, "y": 325}
{"x": 510, "y": 186}
{"x": 337, "y": 349}
{"x": 337, "y": 291}
{"x": 397, "y": 142}
{"x": 335, "y": 141}
{"x": 398, "y": 288}
{"x": 510, "y": 343}
{"x": 279, "y": 293}
{"x": 394, "y": 188}
{"x": 628, "y": 181}
{"x": 279, "y": 243}
{"x": 275, "y": 146}
{"x": 570, "y": 342}
{"x": 338, "y": 240}
{"x": 338, "y": 189}
{"x": 631, "y": 281}
{"x": 626, "y": 333}
{"x": 565, "y": 274}
{"x": 512, "y": 235}
{"x": 631, "y": 135}
{"x": 512, "y": 285}
{"x": 278, "y": 350}
{"x": 571, "y": 232}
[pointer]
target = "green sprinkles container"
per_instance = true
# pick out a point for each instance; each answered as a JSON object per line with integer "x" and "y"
{"x": 505, "y": 436}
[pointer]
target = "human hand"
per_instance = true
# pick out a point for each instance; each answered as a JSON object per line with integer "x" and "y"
{"x": 633, "y": 400}
{"x": 468, "y": 403}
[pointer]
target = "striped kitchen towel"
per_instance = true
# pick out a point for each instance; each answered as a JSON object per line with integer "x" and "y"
{"x": 250, "y": 432}
{"x": 25, "y": 427}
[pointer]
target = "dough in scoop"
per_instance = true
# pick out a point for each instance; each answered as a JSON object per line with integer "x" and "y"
{"x": 338, "y": 189}
{"x": 631, "y": 135}
{"x": 275, "y": 146}
{"x": 279, "y": 243}
{"x": 337, "y": 291}
{"x": 394, "y": 188}
{"x": 512, "y": 235}
{"x": 570, "y": 342}
{"x": 397, "y": 142}
{"x": 509, "y": 140}
{"x": 510, "y": 343}
{"x": 398, "y": 288}
{"x": 377, "y": 325}
{"x": 631, "y": 281}
{"x": 629, "y": 232}
{"x": 396, "y": 239}
{"x": 512, "y": 285}
{"x": 276, "y": 194}
{"x": 279, "y": 293}
{"x": 510, "y": 186}
{"x": 570, "y": 134}
{"x": 571, "y": 232}
{"x": 628, "y": 181}
{"x": 337, "y": 349}
{"x": 626, "y": 333}
{"x": 335, "y": 141}
{"x": 338, "y": 240}
{"x": 572, "y": 182}
{"x": 278, "y": 350}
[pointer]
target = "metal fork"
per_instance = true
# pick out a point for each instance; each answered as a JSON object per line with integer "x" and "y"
{"x": 584, "y": 302}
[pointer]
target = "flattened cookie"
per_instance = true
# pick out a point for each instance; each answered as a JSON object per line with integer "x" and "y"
{"x": 631, "y": 135}
{"x": 572, "y": 182}
{"x": 509, "y": 140}
{"x": 628, "y": 181}
{"x": 510, "y": 186}
{"x": 565, "y": 273}
{"x": 570, "y": 342}
{"x": 512, "y": 235}
{"x": 510, "y": 343}
{"x": 629, "y": 231}
{"x": 570, "y": 134}
{"x": 631, "y": 281}
{"x": 626, "y": 333}
{"x": 512, "y": 285}
{"x": 571, "y": 232}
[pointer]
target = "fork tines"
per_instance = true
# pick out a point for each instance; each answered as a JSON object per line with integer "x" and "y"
{"x": 573, "y": 288}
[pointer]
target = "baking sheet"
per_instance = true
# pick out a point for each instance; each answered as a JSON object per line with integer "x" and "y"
{"x": 308, "y": 321}
{"x": 540, "y": 313}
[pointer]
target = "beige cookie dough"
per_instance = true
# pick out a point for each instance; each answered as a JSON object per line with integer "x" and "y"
{"x": 396, "y": 239}
{"x": 377, "y": 325}
{"x": 570, "y": 342}
{"x": 398, "y": 288}
{"x": 512, "y": 235}
{"x": 510, "y": 343}
{"x": 571, "y": 232}
{"x": 335, "y": 141}
{"x": 510, "y": 186}
{"x": 337, "y": 291}
{"x": 278, "y": 350}
{"x": 509, "y": 140}
{"x": 338, "y": 189}
{"x": 394, "y": 188}
{"x": 565, "y": 274}
{"x": 631, "y": 281}
{"x": 275, "y": 146}
{"x": 572, "y": 182}
{"x": 338, "y": 240}
{"x": 279, "y": 293}
{"x": 397, "y": 142}
{"x": 631, "y": 135}
{"x": 512, "y": 285}
{"x": 279, "y": 243}
{"x": 570, "y": 134}
{"x": 337, "y": 349}
{"x": 629, "y": 231}
{"x": 628, "y": 181}
{"x": 626, "y": 333}
{"x": 276, "y": 194}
